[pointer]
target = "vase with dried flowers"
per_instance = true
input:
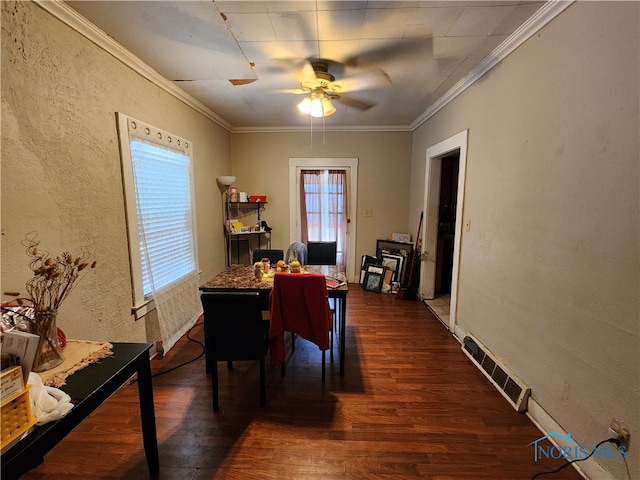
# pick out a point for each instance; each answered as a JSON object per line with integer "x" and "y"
{"x": 53, "y": 280}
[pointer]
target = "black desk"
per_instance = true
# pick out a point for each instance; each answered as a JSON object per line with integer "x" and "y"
{"x": 89, "y": 388}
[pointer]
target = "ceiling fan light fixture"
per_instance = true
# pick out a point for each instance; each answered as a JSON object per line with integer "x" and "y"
{"x": 317, "y": 105}
{"x": 305, "y": 105}
{"x": 327, "y": 107}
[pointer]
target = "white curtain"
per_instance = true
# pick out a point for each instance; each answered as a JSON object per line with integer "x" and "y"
{"x": 161, "y": 167}
{"x": 323, "y": 206}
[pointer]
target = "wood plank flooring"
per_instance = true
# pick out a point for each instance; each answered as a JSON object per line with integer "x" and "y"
{"x": 410, "y": 406}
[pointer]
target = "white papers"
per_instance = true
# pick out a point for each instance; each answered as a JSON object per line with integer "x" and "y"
{"x": 23, "y": 345}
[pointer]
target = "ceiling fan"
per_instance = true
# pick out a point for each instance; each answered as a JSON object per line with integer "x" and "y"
{"x": 321, "y": 87}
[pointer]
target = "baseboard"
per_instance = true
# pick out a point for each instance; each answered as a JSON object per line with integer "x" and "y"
{"x": 589, "y": 468}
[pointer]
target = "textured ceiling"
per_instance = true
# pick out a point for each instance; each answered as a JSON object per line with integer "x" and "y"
{"x": 424, "y": 47}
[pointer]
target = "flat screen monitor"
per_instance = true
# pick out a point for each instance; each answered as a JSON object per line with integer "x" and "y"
{"x": 322, "y": 253}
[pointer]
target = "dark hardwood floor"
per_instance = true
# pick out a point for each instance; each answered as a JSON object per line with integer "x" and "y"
{"x": 410, "y": 405}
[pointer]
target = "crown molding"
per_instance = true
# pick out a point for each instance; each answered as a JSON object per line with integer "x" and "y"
{"x": 70, "y": 17}
{"x": 73, "y": 19}
{"x": 320, "y": 129}
{"x": 543, "y": 16}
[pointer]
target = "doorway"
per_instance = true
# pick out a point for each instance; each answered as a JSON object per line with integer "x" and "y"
{"x": 440, "y": 304}
{"x": 443, "y": 208}
{"x": 446, "y": 222}
{"x": 323, "y": 209}
{"x": 350, "y": 166}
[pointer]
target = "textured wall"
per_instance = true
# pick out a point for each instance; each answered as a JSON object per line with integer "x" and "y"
{"x": 261, "y": 163}
{"x": 549, "y": 271}
{"x": 61, "y": 171}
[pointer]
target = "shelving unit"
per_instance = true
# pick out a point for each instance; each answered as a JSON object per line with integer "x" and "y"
{"x": 244, "y": 207}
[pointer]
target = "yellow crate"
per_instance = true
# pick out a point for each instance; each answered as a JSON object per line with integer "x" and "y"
{"x": 16, "y": 417}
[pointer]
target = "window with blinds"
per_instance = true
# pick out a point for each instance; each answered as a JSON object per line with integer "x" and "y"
{"x": 158, "y": 186}
{"x": 163, "y": 203}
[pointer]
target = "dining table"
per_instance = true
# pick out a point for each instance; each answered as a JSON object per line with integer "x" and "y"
{"x": 241, "y": 278}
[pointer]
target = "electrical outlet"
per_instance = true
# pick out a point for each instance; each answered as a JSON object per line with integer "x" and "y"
{"x": 620, "y": 432}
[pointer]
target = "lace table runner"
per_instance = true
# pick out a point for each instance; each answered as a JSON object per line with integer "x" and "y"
{"x": 77, "y": 355}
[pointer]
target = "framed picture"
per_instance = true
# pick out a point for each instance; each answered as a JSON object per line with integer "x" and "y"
{"x": 404, "y": 250}
{"x": 376, "y": 269}
{"x": 401, "y": 237}
{"x": 373, "y": 279}
{"x": 386, "y": 281}
{"x": 366, "y": 261}
{"x": 394, "y": 263}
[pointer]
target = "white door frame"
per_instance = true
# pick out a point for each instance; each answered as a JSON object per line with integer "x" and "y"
{"x": 349, "y": 164}
{"x": 431, "y": 206}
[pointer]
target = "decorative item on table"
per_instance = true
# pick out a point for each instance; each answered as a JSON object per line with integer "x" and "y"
{"x": 243, "y": 197}
{"x": 296, "y": 267}
{"x": 333, "y": 282}
{"x": 267, "y": 264}
{"x": 54, "y": 278}
{"x": 258, "y": 198}
{"x": 281, "y": 266}
{"x": 233, "y": 193}
{"x": 258, "y": 270}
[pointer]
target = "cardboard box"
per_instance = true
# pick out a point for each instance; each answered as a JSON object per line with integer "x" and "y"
{"x": 24, "y": 346}
{"x": 11, "y": 382}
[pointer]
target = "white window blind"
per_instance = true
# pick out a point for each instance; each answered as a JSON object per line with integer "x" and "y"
{"x": 157, "y": 173}
{"x": 163, "y": 200}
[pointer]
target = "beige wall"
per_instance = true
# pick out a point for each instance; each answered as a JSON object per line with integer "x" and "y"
{"x": 548, "y": 272}
{"x": 549, "y": 275}
{"x": 61, "y": 166}
{"x": 261, "y": 164}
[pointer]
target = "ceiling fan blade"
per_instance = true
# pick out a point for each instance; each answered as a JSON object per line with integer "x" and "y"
{"x": 414, "y": 47}
{"x": 367, "y": 80}
{"x": 306, "y": 73}
{"x": 295, "y": 91}
{"x": 301, "y": 68}
{"x": 354, "y": 102}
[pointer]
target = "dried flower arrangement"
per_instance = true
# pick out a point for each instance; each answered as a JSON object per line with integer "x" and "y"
{"x": 54, "y": 278}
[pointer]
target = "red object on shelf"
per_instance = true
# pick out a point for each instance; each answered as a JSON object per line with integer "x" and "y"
{"x": 257, "y": 198}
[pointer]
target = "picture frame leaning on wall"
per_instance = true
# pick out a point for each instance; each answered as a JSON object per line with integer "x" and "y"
{"x": 405, "y": 250}
{"x": 373, "y": 278}
{"x": 364, "y": 263}
{"x": 395, "y": 264}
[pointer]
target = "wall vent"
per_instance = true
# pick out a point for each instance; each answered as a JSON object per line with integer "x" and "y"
{"x": 511, "y": 387}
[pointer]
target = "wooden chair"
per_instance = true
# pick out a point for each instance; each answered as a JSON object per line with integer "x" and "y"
{"x": 300, "y": 305}
{"x": 233, "y": 330}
